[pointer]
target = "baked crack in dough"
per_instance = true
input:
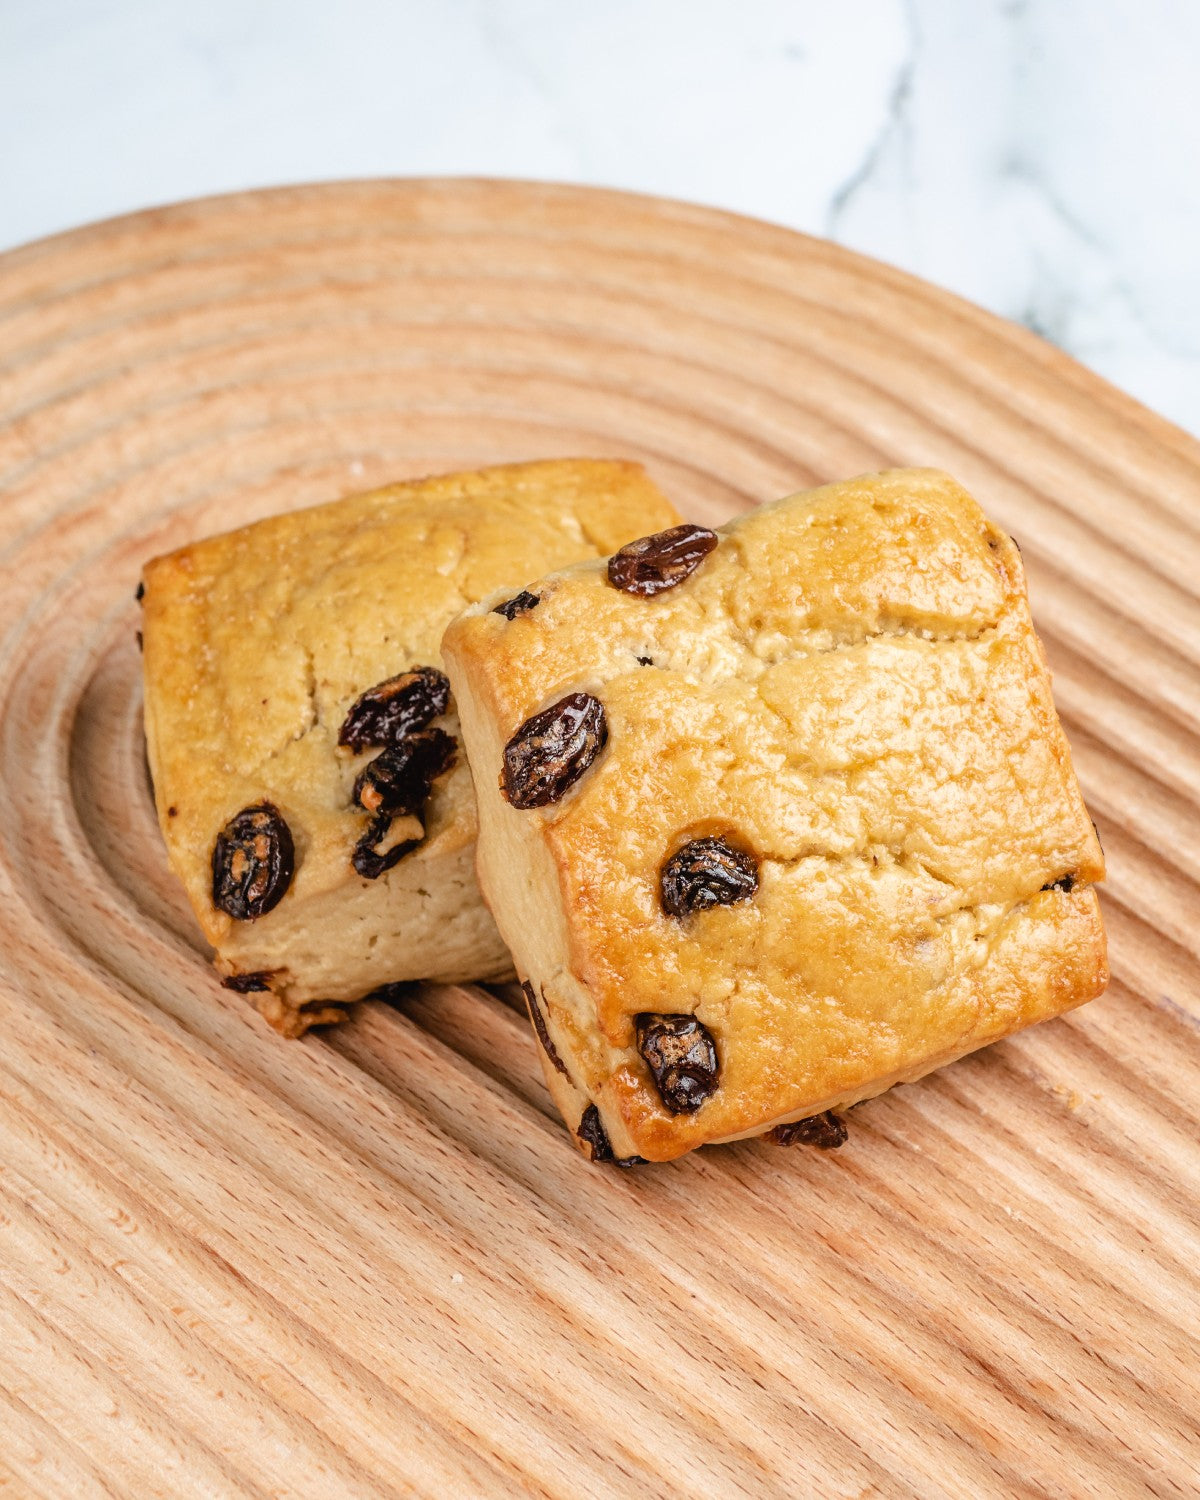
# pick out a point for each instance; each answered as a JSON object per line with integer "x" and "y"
{"x": 303, "y": 744}
{"x": 774, "y": 818}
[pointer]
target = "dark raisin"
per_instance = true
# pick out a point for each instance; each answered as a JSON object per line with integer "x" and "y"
{"x": 539, "y": 1025}
{"x": 706, "y": 872}
{"x": 253, "y": 862}
{"x": 140, "y": 592}
{"x": 645, "y": 661}
{"x": 400, "y": 778}
{"x": 384, "y": 714}
{"x": 368, "y": 859}
{"x": 552, "y": 750}
{"x": 244, "y": 984}
{"x": 1063, "y": 883}
{"x": 655, "y": 563}
{"x": 593, "y": 1134}
{"x": 172, "y": 811}
{"x": 519, "y": 604}
{"x": 826, "y": 1130}
{"x": 682, "y": 1056}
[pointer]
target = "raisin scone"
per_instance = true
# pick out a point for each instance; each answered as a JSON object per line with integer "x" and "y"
{"x": 302, "y": 739}
{"x": 775, "y": 817}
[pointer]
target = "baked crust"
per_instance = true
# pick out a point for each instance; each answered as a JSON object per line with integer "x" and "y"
{"x": 851, "y": 688}
{"x": 256, "y": 644}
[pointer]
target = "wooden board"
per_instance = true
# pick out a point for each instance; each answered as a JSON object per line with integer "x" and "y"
{"x": 370, "y": 1263}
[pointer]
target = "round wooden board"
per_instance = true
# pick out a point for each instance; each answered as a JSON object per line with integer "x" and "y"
{"x": 370, "y": 1263}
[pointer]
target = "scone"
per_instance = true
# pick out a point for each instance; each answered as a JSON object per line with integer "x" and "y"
{"x": 775, "y": 817}
{"x": 302, "y": 739}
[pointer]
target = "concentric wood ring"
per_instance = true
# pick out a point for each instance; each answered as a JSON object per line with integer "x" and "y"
{"x": 369, "y": 1263}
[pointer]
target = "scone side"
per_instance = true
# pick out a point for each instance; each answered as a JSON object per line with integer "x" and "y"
{"x": 1090, "y": 865}
{"x": 520, "y": 882}
{"x": 169, "y": 635}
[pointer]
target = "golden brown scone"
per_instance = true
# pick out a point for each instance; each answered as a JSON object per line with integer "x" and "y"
{"x": 257, "y": 645}
{"x": 832, "y": 840}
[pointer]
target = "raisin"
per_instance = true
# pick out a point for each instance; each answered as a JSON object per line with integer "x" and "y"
{"x": 519, "y": 604}
{"x": 655, "y": 563}
{"x": 706, "y": 872}
{"x": 1063, "y": 883}
{"x": 682, "y": 1056}
{"x": 253, "y": 862}
{"x": 826, "y": 1130}
{"x": 140, "y": 592}
{"x": 593, "y": 1134}
{"x": 543, "y": 1035}
{"x": 645, "y": 661}
{"x": 552, "y": 750}
{"x": 400, "y": 778}
{"x": 245, "y": 984}
{"x": 368, "y": 859}
{"x": 384, "y": 714}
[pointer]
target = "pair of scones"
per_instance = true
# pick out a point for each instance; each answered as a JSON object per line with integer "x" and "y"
{"x": 769, "y": 819}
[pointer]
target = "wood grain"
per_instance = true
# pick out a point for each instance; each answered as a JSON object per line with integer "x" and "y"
{"x": 370, "y": 1264}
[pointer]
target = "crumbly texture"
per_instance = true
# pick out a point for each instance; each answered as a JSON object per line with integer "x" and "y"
{"x": 850, "y": 688}
{"x": 257, "y": 643}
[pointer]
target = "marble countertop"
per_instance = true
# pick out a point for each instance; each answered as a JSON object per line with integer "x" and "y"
{"x": 1037, "y": 156}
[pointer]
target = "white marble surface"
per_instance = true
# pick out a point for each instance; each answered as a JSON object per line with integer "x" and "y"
{"x": 1040, "y": 156}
